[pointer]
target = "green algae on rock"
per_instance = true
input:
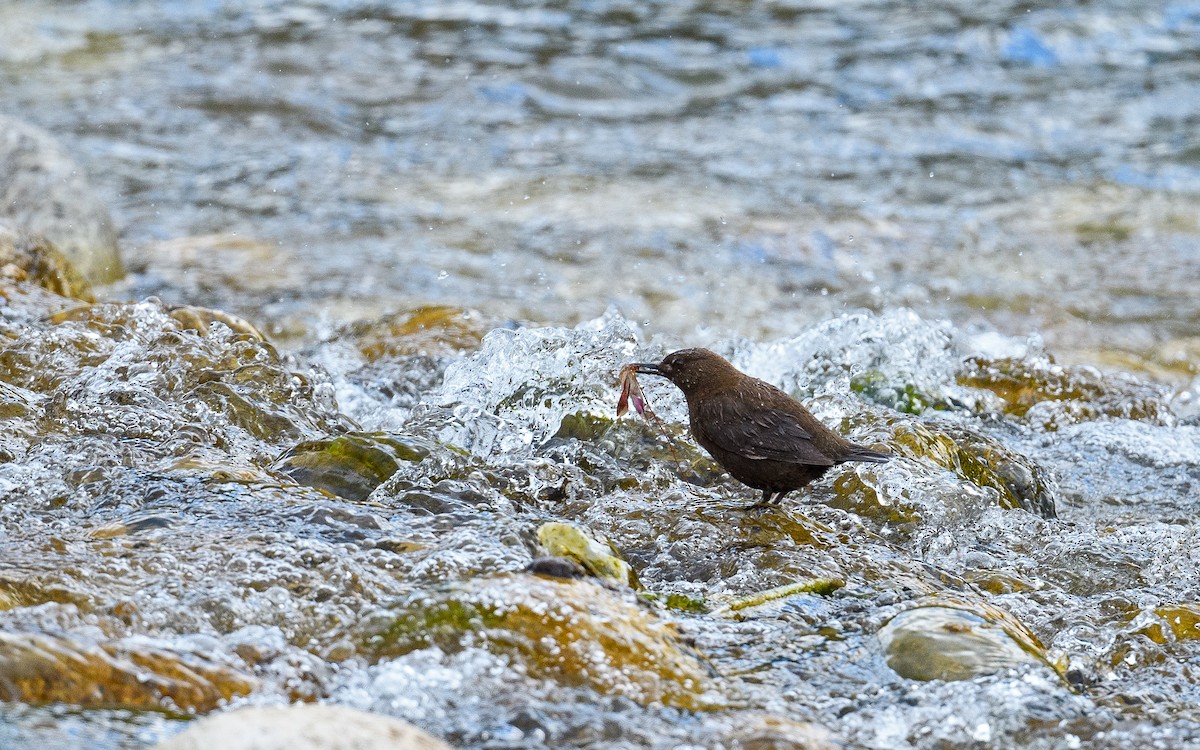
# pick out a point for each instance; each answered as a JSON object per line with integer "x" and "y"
{"x": 1018, "y": 481}
{"x": 819, "y": 586}
{"x": 571, "y": 631}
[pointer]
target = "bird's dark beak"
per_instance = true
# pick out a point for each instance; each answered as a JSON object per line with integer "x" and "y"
{"x": 648, "y": 369}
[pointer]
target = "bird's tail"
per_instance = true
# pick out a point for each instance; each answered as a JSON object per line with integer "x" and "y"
{"x": 866, "y": 454}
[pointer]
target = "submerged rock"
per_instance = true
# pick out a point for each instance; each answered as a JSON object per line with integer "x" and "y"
{"x": 1018, "y": 481}
{"x": 936, "y": 642}
{"x": 570, "y": 631}
{"x": 350, "y": 465}
{"x": 42, "y": 668}
{"x": 751, "y": 730}
{"x": 301, "y": 727}
{"x": 43, "y": 190}
{"x": 199, "y": 319}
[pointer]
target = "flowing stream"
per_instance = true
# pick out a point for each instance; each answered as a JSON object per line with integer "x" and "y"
{"x": 967, "y": 233}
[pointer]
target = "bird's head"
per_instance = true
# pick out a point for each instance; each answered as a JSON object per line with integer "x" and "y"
{"x": 693, "y": 370}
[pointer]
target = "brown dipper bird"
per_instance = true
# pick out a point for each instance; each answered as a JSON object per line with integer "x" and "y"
{"x": 762, "y": 436}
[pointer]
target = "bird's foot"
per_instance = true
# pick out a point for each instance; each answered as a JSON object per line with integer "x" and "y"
{"x": 761, "y": 507}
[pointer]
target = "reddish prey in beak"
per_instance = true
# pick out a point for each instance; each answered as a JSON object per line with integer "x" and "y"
{"x": 631, "y": 390}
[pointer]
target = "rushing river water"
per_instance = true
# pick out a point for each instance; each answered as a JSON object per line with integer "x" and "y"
{"x": 968, "y": 233}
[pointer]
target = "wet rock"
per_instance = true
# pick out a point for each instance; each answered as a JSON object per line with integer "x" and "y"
{"x": 1018, "y": 481}
{"x": 351, "y": 465}
{"x": 301, "y": 727}
{"x": 424, "y": 331}
{"x": 556, "y": 567}
{"x": 599, "y": 559}
{"x": 1050, "y": 396}
{"x": 1171, "y": 622}
{"x": 43, "y": 190}
{"x": 42, "y": 668}
{"x": 34, "y": 259}
{"x": 571, "y": 631}
{"x": 933, "y": 642}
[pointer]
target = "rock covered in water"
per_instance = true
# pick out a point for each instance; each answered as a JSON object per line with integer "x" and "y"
{"x": 515, "y": 392}
{"x": 43, "y": 668}
{"x": 138, "y": 371}
{"x": 754, "y": 730}
{"x": 896, "y": 359}
{"x": 572, "y": 631}
{"x": 350, "y": 465}
{"x": 935, "y": 642}
{"x": 43, "y": 190}
{"x": 301, "y": 727}
{"x": 1043, "y": 394}
{"x": 426, "y": 331}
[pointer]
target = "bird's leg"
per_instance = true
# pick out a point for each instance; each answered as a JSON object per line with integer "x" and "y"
{"x": 761, "y": 504}
{"x": 778, "y": 497}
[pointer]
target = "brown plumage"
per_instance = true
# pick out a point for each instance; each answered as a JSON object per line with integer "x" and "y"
{"x": 763, "y": 437}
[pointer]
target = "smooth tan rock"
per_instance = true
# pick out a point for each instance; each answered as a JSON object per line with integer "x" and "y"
{"x": 948, "y": 643}
{"x": 301, "y": 727}
{"x": 43, "y": 190}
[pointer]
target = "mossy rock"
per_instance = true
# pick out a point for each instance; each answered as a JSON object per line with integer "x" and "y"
{"x": 597, "y": 558}
{"x": 907, "y": 397}
{"x": 350, "y": 466}
{"x": 33, "y": 259}
{"x": 39, "y": 668}
{"x": 1051, "y": 396}
{"x": 572, "y": 631}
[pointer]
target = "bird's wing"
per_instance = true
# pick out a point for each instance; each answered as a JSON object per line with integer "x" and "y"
{"x": 754, "y": 430}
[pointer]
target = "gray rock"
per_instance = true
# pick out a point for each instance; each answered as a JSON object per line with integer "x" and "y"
{"x": 301, "y": 726}
{"x": 43, "y": 190}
